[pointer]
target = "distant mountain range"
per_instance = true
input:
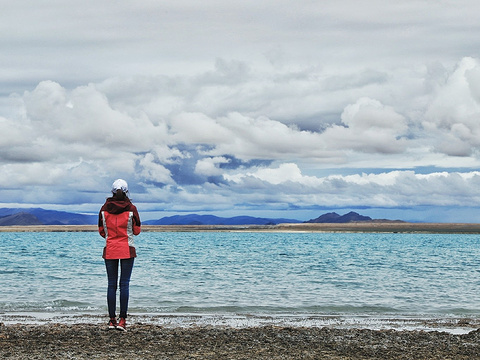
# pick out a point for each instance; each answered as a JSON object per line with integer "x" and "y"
{"x": 194, "y": 219}
{"x": 38, "y": 216}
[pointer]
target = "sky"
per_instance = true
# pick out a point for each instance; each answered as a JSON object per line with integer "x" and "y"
{"x": 269, "y": 108}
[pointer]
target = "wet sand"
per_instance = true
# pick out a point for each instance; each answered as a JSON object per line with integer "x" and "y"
{"x": 367, "y": 227}
{"x": 146, "y": 341}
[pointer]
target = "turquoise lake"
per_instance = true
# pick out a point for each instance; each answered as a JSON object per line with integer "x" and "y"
{"x": 349, "y": 274}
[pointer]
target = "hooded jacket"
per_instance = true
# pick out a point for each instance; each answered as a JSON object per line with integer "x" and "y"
{"x": 118, "y": 222}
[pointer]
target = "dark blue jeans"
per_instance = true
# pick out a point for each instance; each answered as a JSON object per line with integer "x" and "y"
{"x": 126, "y": 266}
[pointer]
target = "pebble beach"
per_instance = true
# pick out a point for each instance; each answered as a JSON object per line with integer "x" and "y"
{"x": 147, "y": 341}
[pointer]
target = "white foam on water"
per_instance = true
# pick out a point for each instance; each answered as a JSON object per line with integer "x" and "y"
{"x": 455, "y": 326}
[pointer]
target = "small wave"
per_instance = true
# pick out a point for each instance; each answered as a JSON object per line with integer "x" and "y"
{"x": 60, "y": 305}
{"x": 275, "y": 310}
{"x": 453, "y": 325}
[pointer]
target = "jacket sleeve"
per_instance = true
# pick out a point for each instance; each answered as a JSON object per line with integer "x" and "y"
{"x": 101, "y": 229}
{"x": 136, "y": 224}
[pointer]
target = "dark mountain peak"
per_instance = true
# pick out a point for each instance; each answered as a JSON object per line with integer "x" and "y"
{"x": 352, "y": 216}
{"x": 335, "y": 218}
{"x": 331, "y": 217}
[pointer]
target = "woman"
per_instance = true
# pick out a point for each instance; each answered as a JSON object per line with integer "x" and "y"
{"x": 118, "y": 221}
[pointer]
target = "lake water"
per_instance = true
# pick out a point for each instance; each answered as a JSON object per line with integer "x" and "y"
{"x": 249, "y": 276}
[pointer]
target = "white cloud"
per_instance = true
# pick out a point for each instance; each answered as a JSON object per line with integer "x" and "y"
{"x": 452, "y": 116}
{"x": 209, "y": 166}
{"x": 370, "y": 127}
{"x": 152, "y": 171}
{"x": 284, "y": 173}
{"x": 13, "y": 134}
{"x": 28, "y": 175}
{"x": 84, "y": 117}
{"x": 198, "y": 128}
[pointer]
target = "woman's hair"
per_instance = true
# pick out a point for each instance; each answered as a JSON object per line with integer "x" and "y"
{"x": 120, "y": 195}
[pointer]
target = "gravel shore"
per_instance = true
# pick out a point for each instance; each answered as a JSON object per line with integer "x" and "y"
{"x": 146, "y": 341}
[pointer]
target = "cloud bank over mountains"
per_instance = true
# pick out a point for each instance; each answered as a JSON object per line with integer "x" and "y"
{"x": 182, "y": 147}
{"x": 281, "y": 109}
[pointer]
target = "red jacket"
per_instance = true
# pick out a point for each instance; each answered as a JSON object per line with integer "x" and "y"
{"x": 118, "y": 222}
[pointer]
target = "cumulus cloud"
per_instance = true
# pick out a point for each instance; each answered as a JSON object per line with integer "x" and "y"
{"x": 452, "y": 116}
{"x": 153, "y": 171}
{"x": 284, "y": 173}
{"x": 85, "y": 116}
{"x": 210, "y": 166}
{"x": 369, "y": 127}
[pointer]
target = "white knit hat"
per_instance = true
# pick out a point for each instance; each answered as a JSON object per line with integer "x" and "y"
{"x": 120, "y": 184}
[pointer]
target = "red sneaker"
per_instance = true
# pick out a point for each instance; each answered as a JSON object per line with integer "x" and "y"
{"x": 122, "y": 325}
{"x": 112, "y": 324}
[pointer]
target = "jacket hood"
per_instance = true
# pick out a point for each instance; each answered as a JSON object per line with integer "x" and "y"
{"x": 114, "y": 206}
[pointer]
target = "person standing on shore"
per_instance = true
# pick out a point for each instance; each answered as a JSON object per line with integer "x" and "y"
{"x": 118, "y": 222}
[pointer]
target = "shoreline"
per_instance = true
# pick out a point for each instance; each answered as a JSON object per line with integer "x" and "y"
{"x": 360, "y": 227}
{"x": 146, "y": 341}
{"x": 451, "y": 324}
